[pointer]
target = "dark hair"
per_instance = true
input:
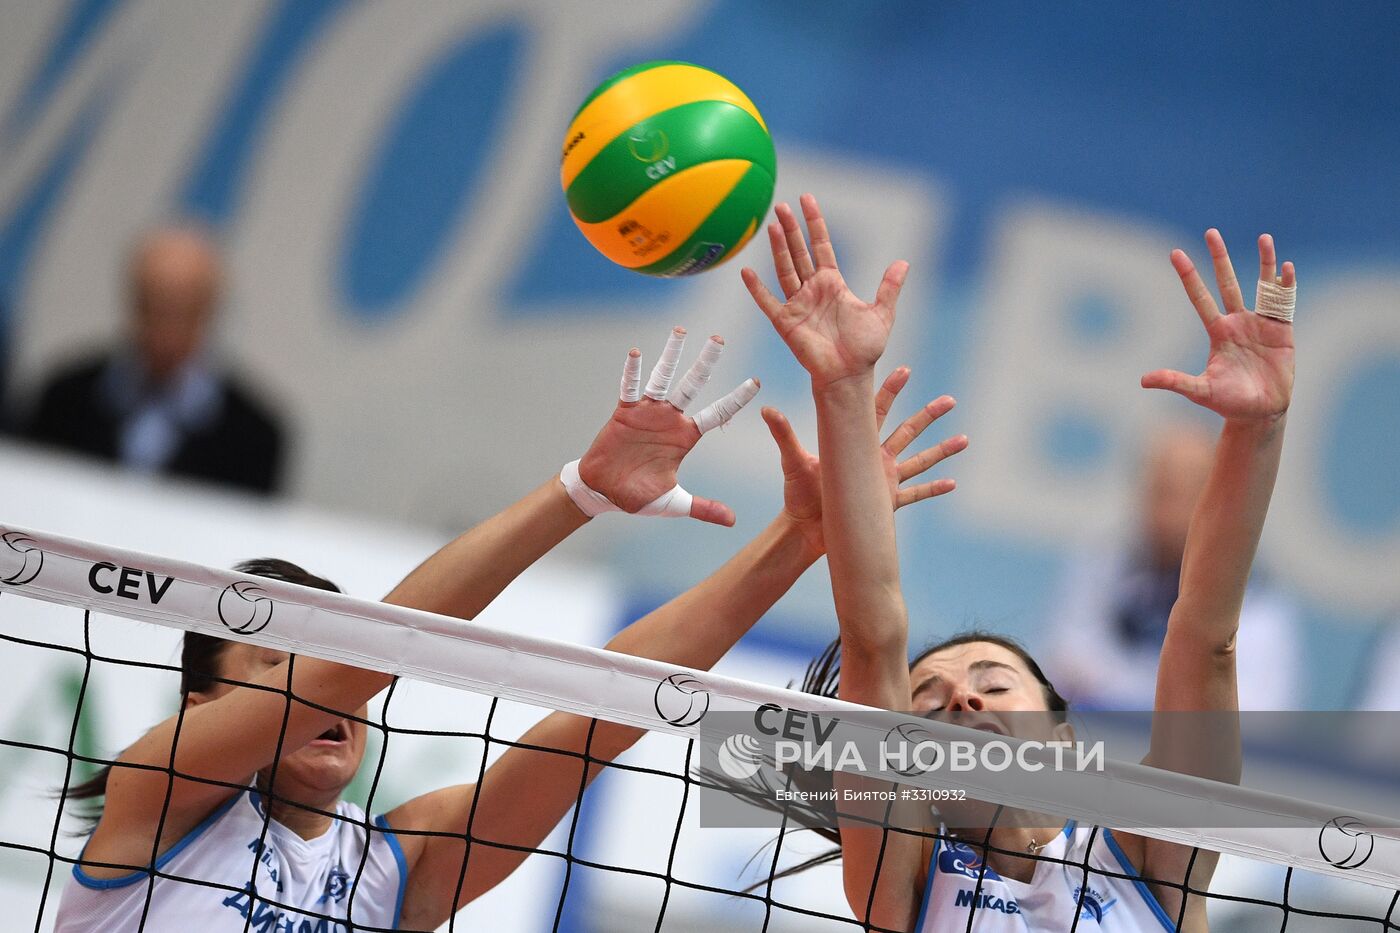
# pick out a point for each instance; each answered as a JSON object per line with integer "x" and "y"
{"x": 823, "y": 678}
{"x": 199, "y": 662}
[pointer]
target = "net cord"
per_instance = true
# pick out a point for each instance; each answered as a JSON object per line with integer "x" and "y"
{"x": 627, "y": 690}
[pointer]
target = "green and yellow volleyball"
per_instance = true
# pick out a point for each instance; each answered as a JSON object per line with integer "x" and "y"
{"x": 668, "y": 168}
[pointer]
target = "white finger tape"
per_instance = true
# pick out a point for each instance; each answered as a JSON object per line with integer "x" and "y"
{"x": 660, "y": 381}
{"x": 698, "y": 374}
{"x": 632, "y": 379}
{"x": 672, "y": 504}
{"x": 720, "y": 412}
{"x": 1273, "y": 300}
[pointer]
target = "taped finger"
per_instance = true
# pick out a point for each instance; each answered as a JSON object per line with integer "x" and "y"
{"x": 1276, "y": 301}
{"x": 674, "y": 503}
{"x": 698, "y": 375}
{"x": 719, "y": 413}
{"x": 660, "y": 382}
{"x": 632, "y": 377}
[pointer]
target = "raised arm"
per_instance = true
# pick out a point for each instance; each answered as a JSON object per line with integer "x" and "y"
{"x": 838, "y": 338}
{"x": 1248, "y": 380}
{"x": 630, "y": 466}
{"x": 527, "y": 791}
{"x": 228, "y": 734}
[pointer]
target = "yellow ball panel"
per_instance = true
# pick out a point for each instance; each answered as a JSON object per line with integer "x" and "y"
{"x": 635, "y": 99}
{"x": 743, "y": 241}
{"x": 666, "y": 215}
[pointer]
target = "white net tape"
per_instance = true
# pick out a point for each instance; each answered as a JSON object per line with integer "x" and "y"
{"x": 643, "y": 693}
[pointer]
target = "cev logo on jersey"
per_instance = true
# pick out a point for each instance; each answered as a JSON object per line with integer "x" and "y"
{"x": 954, "y": 858}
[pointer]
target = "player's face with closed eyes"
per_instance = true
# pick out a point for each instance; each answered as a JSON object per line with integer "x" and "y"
{"x": 976, "y": 685}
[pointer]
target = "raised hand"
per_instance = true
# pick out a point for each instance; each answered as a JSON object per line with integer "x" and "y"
{"x": 1249, "y": 375}
{"x": 802, "y": 487}
{"x": 631, "y": 465}
{"x": 832, "y": 333}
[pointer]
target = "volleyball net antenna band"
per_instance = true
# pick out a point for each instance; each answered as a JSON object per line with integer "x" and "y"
{"x": 632, "y": 691}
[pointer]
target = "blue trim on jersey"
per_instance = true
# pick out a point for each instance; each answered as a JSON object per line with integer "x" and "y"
{"x": 102, "y": 884}
{"x": 397, "y": 849}
{"x": 928, "y": 886}
{"x": 1141, "y": 885}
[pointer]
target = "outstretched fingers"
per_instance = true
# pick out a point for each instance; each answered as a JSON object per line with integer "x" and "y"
{"x": 1224, "y": 272}
{"x": 762, "y": 297}
{"x": 790, "y": 450}
{"x": 925, "y": 459}
{"x": 797, "y": 244}
{"x": 884, "y": 399}
{"x": 888, "y": 293}
{"x": 922, "y": 491}
{"x": 1275, "y": 296}
{"x": 1268, "y": 259}
{"x": 719, "y": 413}
{"x": 1195, "y": 288}
{"x": 631, "y": 390}
{"x": 823, "y": 253}
{"x": 902, "y": 436}
{"x": 665, "y": 370}
{"x": 788, "y": 279}
{"x": 698, "y": 375}
{"x": 1288, "y": 276}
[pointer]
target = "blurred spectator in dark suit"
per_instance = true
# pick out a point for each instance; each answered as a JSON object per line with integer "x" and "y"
{"x": 1110, "y": 615}
{"x": 159, "y": 404}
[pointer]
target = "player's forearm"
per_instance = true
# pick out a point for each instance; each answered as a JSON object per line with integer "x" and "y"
{"x": 858, "y": 520}
{"x": 464, "y": 577}
{"x": 1226, "y": 527}
{"x": 871, "y": 855}
{"x": 229, "y": 738}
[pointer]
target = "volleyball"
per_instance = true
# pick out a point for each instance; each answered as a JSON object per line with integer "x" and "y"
{"x": 668, "y": 168}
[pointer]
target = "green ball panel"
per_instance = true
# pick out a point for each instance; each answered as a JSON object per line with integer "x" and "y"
{"x": 658, "y": 147}
{"x": 714, "y": 240}
{"x": 623, "y": 75}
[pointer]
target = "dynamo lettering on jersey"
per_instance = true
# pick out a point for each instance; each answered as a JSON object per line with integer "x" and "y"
{"x": 298, "y": 885}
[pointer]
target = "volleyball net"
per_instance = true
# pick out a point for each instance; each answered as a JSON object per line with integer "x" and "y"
{"x": 1292, "y": 864}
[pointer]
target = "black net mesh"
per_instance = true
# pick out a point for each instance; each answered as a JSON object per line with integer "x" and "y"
{"x": 629, "y": 856}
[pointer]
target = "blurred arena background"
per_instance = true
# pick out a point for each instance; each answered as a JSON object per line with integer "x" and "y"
{"x": 406, "y": 291}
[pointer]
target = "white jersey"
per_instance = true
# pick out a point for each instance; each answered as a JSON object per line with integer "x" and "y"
{"x": 301, "y": 885}
{"x": 1050, "y": 900}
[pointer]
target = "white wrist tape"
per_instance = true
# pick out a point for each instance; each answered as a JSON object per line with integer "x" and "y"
{"x": 672, "y": 504}
{"x": 1273, "y": 300}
